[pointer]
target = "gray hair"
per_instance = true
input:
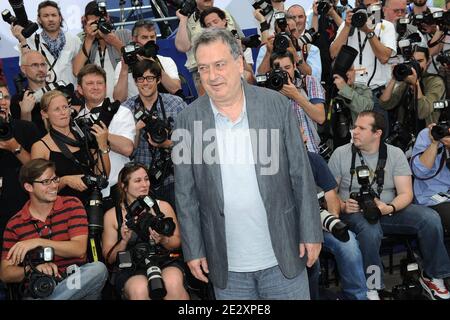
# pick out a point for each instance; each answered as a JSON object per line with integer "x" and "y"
{"x": 215, "y": 34}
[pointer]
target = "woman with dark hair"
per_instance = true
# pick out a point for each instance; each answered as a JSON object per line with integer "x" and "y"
{"x": 132, "y": 283}
{"x": 77, "y": 159}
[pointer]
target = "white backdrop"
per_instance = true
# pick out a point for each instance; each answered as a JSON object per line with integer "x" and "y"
{"x": 71, "y": 11}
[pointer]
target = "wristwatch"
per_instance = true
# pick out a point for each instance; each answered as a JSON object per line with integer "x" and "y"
{"x": 370, "y": 35}
{"x": 17, "y": 150}
{"x": 108, "y": 149}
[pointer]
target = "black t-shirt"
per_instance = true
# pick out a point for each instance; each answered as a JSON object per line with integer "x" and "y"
{"x": 13, "y": 197}
{"x": 36, "y": 117}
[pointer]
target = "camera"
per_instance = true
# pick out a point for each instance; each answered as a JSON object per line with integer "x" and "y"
{"x": 37, "y": 284}
{"x": 403, "y": 70}
{"x": 280, "y": 20}
{"x": 444, "y": 57}
{"x": 423, "y": 18}
{"x": 323, "y": 6}
{"x": 330, "y": 223}
{"x": 264, "y": 5}
{"x": 103, "y": 25}
{"x": 160, "y": 168}
{"x": 274, "y": 79}
{"x": 187, "y": 7}
{"x": 360, "y": 16}
{"x": 402, "y": 26}
{"x": 139, "y": 218}
{"x": 308, "y": 37}
{"x": 342, "y": 119}
{"x": 406, "y": 46}
{"x": 366, "y": 196}
{"x": 400, "y": 137}
{"x": 130, "y": 52}
{"x": 248, "y": 42}
{"x": 440, "y": 130}
{"x": 6, "y": 129}
{"x": 21, "y": 18}
{"x": 281, "y": 42}
{"x": 159, "y": 130}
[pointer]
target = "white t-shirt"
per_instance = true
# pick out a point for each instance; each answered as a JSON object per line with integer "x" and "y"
{"x": 63, "y": 67}
{"x": 168, "y": 65}
{"x": 122, "y": 124}
{"x": 385, "y": 31}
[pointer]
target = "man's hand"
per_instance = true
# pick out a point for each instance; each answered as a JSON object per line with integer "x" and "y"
{"x": 16, "y": 30}
{"x": 312, "y": 251}
{"x": 100, "y": 131}
{"x": 28, "y": 102}
{"x": 290, "y": 90}
{"x": 412, "y": 79}
{"x": 339, "y": 81}
{"x": 18, "y": 251}
{"x": 365, "y": 28}
{"x": 351, "y": 206}
{"x": 348, "y": 18}
{"x": 9, "y": 145}
{"x": 269, "y": 44}
{"x": 384, "y": 208}
{"x": 75, "y": 182}
{"x": 258, "y": 16}
{"x": 315, "y": 8}
{"x": 198, "y": 268}
{"x": 49, "y": 268}
{"x": 182, "y": 17}
{"x": 91, "y": 29}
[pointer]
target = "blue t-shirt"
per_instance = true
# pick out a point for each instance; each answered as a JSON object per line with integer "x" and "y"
{"x": 322, "y": 174}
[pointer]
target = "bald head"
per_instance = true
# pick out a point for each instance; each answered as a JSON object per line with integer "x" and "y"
{"x": 298, "y": 13}
{"x": 31, "y": 55}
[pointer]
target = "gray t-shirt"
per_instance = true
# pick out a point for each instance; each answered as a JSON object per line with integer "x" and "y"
{"x": 396, "y": 165}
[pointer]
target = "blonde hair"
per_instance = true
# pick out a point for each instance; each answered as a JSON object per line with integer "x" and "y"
{"x": 45, "y": 102}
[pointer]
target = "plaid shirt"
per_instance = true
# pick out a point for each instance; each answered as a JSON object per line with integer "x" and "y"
{"x": 316, "y": 94}
{"x": 172, "y": 106}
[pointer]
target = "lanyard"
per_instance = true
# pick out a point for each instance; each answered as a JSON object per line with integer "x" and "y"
{"x": 361, "y": 47}
{"x": 102, "y": 56}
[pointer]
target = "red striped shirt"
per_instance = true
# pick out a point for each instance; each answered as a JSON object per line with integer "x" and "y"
{"x": 66, "y": 220}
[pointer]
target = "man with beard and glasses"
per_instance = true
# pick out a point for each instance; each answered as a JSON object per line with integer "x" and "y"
{"x": 24, "y": 105}
{"x": 59, "y": 48}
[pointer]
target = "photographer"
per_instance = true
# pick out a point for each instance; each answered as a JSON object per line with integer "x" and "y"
{"x": 161, "y": 106}
{"x": 121, "y": 129}
{"x": 346, "y": 251}
{"x": 378, "y": 176}
{"x": 430, "y": 166}
{"x": 325, "y": 20}
{"x": 374, "y": 39}
{"x": 16, "y": 139}
{"x": 59, "y": 48}
{"x": 188, "y": 29}
{"x": 425, "y": 89}
{"x": 143, "y": 32}
{"x": 306, "y": 96}
{"x": 101, "y": 44}
{"x": 49, "y": 220}
{"x": 133, "y": 284}
{"x": 23, "y": 104}
{"x": 355, "y": 96}
{"x": 62, "y": 141}
{"x": 215, "y": 18}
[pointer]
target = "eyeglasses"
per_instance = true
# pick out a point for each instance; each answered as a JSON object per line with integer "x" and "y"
{"x": 150, "y": 79}
{"x": 46, "y": 182}
{"x": 61, "y": 109}
{"x": 399, "y": 11}
{"x": 36, "y": 66}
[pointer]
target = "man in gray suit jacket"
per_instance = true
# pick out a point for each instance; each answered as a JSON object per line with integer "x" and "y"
{"x": 249, "y": 220}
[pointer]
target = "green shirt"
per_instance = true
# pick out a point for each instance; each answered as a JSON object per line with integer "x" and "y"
{"x": 357, "y": 98}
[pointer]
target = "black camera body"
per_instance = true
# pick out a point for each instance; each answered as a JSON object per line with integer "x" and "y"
{"x": 27, "y": 31}
{"x": 264, "y": 5}
{"x": 102, "y": 23}
{"x": 402, "y": 26}
{"x": 440, "y": 130}
{"x": 251, "y": 41}
{"x": 323, "y": 6}
{"x": 6, "y": 130}
{"x": 360, "y": 16}
{"x": 406, "y": 46}
{"x": 400, "y": 137}
{"x": 402, "y": 70}
{"x": 139, "y": 218}
{"x": 444, "y": 57}
{"x": 37, "y": 284}
{"x": 130, "y": 52}
{"x": 187, "y": 7}
{"x": 309, "y": 36}
{"x": 274, "y": 79}
{"x": 95, "y": 181}
{"x": 366, "y": 195}
{"x": 281, "y": 42}
{"x": 159, "y": 130}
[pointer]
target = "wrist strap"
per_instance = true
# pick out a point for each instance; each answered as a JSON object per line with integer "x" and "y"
{"x": 264, "y": 26}
{"x": 393, "y": 207}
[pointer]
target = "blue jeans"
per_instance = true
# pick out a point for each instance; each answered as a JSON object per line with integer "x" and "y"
{"x": 91, "y": 278}
{"x": 268, "y": 284}
{"x": 350, "y": 265}
{"x": 413, "y": 220}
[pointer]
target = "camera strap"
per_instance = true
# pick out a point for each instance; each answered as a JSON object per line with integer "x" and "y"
{"x": 102, "y": 55}
{"x": 441, "y": 164}
{"x": 379, "y": 171}
{"x": 361, "y": 47}
{"x": 37, "y": 42}
{"x": 154, "y": 108}
{"x": 61, "y": 140}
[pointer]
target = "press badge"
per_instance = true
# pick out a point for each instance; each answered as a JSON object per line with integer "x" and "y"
{"x": 362, "y": 76}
